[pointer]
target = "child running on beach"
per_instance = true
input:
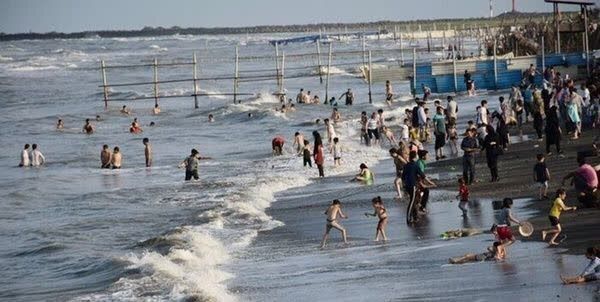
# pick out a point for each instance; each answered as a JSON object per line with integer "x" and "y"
{"x": 463, "y": 194}
{"x": 306, "y": 154}
{"x": 591, "y": 271}
{"x": 333, "y": 212}
{"x": 495, "y": 252}
{"x": 337, "y": 152}
{"x": 557, "y": 207}
{"x": 541, "y": 176}
{"x": 381, "y": 213}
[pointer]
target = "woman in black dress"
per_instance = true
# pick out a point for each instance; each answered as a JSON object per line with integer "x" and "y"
{"x": 492, "y": 151}
{"x": 552, "y": 130}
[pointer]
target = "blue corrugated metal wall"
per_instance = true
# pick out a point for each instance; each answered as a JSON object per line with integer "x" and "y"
{"x": 484, "y": 75}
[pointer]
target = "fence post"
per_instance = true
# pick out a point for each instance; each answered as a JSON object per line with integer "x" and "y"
{"x": 236, "y": 74}
{"x": 495, "y": 64}
{"x": 586, "y": 40}
{"x": 370, "y": 78}
{"x": 401, "y": 51}
{"x": 328, "y": 72}
{"x": 195, "y": 74}
{"x": 155, "y": 81}
{"x": 282, "y": 88}
{"x": 277, "y": 63}
{"x": 454, "y": 70}
{"x": 364, "y": 51}
{"x": 104, "y": 84}
{"x": 319, "y": 61}
{"x": 414, "y": 70}
{"x": 543, "y": 54}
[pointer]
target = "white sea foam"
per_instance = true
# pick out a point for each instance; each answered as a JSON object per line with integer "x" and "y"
{"x": 5, "y": 59}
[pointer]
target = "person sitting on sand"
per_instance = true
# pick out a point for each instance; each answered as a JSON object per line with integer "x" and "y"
{"x": 125, "y": 110}
{"x": 333, "y": 212}
{"x": 381, "y": 213}
{"x": 591, "y": 271}
{"x": 558, "y": 206}
{"x": 156, "y": 110}
{"x": 495, "y": 252}
{"x": 585, "y": 181}
{"x": 365, "y": 175}
{"x": 88, "y": 128}
{"x": 60, "y": 125}
{"x": 135, "y": 129}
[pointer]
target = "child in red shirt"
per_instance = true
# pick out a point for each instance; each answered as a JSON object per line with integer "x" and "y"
{"x": 463, "y": 194}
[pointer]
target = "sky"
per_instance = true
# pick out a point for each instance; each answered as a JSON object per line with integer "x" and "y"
{"x": 89, "y": 15}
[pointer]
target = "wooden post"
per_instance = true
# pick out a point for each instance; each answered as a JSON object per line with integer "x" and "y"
{"x": 277, "y": 63}
{"x": 328, "y": 72}
{"x": 414, "y": 70}
{"x": 495, "y": 64}
{"x": 319, "y": 61}
{"x": 557, "y": 21}
{"x": 195, "y": 74}
{"x": 364, "y": 47}
{"x": 236, "y": 74}
{"x": 370, "y": 78}
{"x": 401, "y": 51}
{"x": 155, "y": 81}
{"x": 104, "y": 83}
{"x": 454, "y": 70}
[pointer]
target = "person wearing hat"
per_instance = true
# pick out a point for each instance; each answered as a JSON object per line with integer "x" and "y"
{"x": 470, "y": 146}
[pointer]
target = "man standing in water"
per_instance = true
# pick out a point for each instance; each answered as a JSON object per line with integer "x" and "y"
{"x": 105, "y": 157}
{"x": 389, "y": 93}
{"x": 88, "y": 128}
{"x": 469, "y": 145}
{"x": 349, "y": 97}
{"x": 116, "y": 158}
{"x": 330, "y": 132}
{"x": 25, "y": 157}
{"x": 191, "y": 165}
{"x": 37, "y": 158}
{"x": 332, "y": 212}
{"x": 300, "y": 96}
{"x": 147, "y": 152}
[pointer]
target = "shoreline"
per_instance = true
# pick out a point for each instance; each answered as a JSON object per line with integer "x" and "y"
{"x": 516, "y": 181}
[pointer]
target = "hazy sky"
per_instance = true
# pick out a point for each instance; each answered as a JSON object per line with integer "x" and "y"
{"x": 80, "y": 15}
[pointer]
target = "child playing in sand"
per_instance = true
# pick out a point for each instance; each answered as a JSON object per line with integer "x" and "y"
{"x": 541, "y": 176}
{"x": 389, "y": 134}
{"x": 463, "y": 194}
{"x": 591, "y": 271}
{"x": 557, "y": 207}
{"x": 381, "y": 213}
{"x": 306, "y": 154}
{"x": 337, "y": 152}
{"x": 365, "y": 175}
{"x": 333, "y": 212}
{"x": 494, "y": 253}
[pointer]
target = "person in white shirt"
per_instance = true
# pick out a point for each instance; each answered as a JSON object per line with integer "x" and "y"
{"x": 585, "y": 95}
{"x": 37, "y": 158}
{"x": 25, "y": 157}
{"x": 483, "y": 114}
{"x": 404, "y": 131}
{"x": 452, "y": 108}
{"x": 373, "y": 129}
{"x": 330, "y": 131}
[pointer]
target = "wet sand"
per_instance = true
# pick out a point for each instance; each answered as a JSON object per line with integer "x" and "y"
{"x": 582, "y": 227}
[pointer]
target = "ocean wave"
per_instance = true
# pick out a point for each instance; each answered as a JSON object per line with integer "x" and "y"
{"x": 34, "y": 68}
{"x": 158, "y": 48}
{"x": 5, "y": 59}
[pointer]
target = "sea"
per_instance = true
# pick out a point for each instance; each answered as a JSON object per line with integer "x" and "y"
{"x": 250, "y": 228}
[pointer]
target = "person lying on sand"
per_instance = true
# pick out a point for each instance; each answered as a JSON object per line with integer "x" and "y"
{"x": 494, "y": 253}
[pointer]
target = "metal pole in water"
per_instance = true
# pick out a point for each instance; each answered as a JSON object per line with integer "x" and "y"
{"x": 195, "y": 74}
{"x": 370, "y": 78}
{"x": 401, "y": 51}
{"x": 328, "y": 72}
{"x": 155, "y": 81}
{"x": 282, "y": 91}
{"x": 277, "y": 63}
{"x": 319, "y": 61}
{"x": 236, "y": 74}
{"x": 104, "y": 84}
